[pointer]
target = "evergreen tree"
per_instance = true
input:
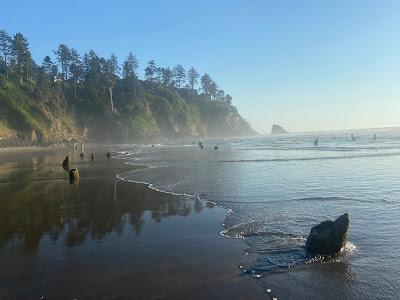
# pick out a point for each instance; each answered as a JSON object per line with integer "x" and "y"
{"x": 129, "y": 67}
{"x": 22, "y": 63}
{"x": 228, "y": 99}
{"x": 47, "y": 66}
{"x": 206, "y": 82}
{"x": 220, "y": 95}
{"x": 193, "y": 78}
{"x": 111, "y": 70}
{"x": 213, "y": 90}
{"x": 75, "y": 68}
{"x": 64, "y": 57}
{"x": 5, "y": 48}
{"x": 179, "y": 76}
{"x": 167, "y": 76}
{"x": 93, "y": 76}
{"x": 151, "y": 71}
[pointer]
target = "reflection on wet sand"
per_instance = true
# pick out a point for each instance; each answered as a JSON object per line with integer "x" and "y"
{"x": 105, "y": 238}
{"x": 37, "y": 200}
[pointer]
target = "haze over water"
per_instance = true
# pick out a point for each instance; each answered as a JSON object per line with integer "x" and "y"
{"x": 277, "y": 187}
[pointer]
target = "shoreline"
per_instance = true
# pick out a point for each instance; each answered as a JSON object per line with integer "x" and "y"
{"x": 204, "y": 263}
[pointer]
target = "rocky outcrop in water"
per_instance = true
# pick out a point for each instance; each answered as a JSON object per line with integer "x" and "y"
{"x": 276, "y": 129}
{"x": 329, "y": 237}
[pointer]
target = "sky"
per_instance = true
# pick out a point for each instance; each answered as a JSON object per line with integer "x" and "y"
{"x": 307, "y": 65}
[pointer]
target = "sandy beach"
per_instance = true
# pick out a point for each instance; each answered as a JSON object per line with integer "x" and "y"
{"x": 106, "y": 238}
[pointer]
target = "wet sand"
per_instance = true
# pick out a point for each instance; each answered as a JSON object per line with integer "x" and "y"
{"x": 105, "y": 238}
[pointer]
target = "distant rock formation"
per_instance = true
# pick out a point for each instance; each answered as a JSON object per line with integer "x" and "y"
{"x": 329, "y": 237}
{"x": 276, "y": 129}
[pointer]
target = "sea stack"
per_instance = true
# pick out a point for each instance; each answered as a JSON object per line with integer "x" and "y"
{"x": 276, "y": 129}
{"x": 329, "y": 237}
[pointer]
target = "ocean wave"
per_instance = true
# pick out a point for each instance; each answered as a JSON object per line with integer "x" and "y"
{"x": 322, "y": 148}
{"x": 305, "y": 158}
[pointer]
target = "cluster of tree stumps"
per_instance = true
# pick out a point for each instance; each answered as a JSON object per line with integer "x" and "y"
{"x": 74, "y": 172}
{"x": 201, "y": 146}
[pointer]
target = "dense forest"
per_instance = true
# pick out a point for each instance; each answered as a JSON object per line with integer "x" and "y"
{"x": 84, "y": 97}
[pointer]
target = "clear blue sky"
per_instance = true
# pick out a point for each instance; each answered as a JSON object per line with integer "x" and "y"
{"x": 307, "y": 65}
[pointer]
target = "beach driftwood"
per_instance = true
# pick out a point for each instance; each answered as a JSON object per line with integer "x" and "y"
{"x": 329, "y": 237}
{"x": 74, "y": 176}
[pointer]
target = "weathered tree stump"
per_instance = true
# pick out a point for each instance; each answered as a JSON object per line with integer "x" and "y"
{"x": 74, "y": 176}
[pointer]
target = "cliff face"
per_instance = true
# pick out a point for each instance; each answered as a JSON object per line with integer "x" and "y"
{"x": 28, "y": 117}
{"x": 170, "y": 116}
{"x": 26, "y": 121}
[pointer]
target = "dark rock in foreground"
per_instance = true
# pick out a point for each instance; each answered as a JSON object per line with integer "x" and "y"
{"x": 276, "y": 129}
{"x": 329, "y": 237}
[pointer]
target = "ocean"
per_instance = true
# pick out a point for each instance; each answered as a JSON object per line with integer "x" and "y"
{"x": 275, "y": 188}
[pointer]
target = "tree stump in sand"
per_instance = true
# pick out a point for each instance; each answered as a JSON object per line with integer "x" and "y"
{"x": 74, "y": 176}
{"x": 65, "y": 163}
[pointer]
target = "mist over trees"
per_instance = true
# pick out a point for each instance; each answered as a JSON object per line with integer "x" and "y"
{"x": 88, "y": 74}
{"x": 71, "y": 96}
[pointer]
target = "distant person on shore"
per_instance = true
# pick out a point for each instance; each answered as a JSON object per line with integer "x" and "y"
{"x": 374, "y": 138}
{"x": 82, "y": 148}
{"x": 316, "y": 142}
{"x": 353, "y": 138}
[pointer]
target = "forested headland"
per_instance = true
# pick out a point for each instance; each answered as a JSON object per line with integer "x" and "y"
{"x": 71, "y": 96}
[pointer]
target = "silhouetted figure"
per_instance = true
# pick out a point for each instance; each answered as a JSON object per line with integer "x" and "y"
{"x": 92, "y": 156}
{"x": 316, "y": 142}
{"x": 353, "y": 138}
{"x": 65, "y": 163}
{"x": 152, "y": 145}
{"x": 81, "y": 155}
{"x": 108, "y": 155}
{"x": 374, "y": 138}
{"x": 215, "y": 147}
{"x": 201, "y": 145}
